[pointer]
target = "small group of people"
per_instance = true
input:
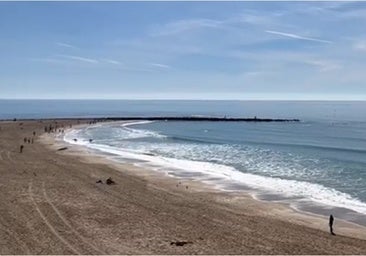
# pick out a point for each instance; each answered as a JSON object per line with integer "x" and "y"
{"x": 27, "y": 140}
{"x": 54, "y": 129}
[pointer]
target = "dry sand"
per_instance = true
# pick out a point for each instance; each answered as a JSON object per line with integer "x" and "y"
{"x": 51, "y": 204}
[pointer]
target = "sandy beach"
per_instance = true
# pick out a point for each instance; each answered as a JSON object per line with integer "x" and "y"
{"x": 51, "y": 204}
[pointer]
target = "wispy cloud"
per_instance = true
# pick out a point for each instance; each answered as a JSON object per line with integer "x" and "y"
{"x": 184, "y": 25}
{"x": 114, "y": 62}
{"x": 79, "y": 58}
{"x": 294, "y": 36}
{"x": 159, "y": 65}
{"x": 65, "y": 45}
{"x": 324, "y": 65}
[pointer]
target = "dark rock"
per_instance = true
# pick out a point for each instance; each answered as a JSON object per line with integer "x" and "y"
{"x": 180, "y": 243}
{"x": 60, "y": 149}
{"x": 109, "y": 181}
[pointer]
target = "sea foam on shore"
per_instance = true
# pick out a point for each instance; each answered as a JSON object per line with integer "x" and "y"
{"x": 181, "y": 160}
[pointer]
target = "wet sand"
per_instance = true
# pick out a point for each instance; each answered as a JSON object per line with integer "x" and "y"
{"x": 51, "y": 204}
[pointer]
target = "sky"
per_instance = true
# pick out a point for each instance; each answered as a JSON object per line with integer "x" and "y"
{"x": 183, "y": 50}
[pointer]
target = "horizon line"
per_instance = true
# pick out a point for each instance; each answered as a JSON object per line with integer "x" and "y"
{"x": 177, "y": 99}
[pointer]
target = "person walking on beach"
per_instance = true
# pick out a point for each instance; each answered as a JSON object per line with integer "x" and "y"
{"x": 331, "y": 220}
{"x": 21, "y": 148}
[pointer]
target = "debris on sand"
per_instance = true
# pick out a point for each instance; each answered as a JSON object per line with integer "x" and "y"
{"x": 99, "y": 181}
{"x": 60, "y": 149}
{"x": 109, "y": 181}
{"x": 180, "y": 243}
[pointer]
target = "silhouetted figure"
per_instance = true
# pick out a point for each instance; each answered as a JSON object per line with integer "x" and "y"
{"x": 29, "y": 141}
{"x": 331, "y": 221}
{"x": 21, "y": 148}
{"x": 34, "y": 133}
{"x": 25, "y": 140}
{"x": 90, "y": 140}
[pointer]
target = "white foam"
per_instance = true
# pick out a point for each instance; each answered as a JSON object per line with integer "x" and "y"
{"x": 314, "y": 192}
{"x": 138, "y": 133}
{"x": 136, "y": 123}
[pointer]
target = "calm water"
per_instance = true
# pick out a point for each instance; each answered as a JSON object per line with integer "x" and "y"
{"x": 317, "y": 164}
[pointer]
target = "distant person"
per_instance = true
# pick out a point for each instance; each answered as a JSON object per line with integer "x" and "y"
{"x": 21, "y": 148}
{"x": 34, "y": 133}
{"x": 331, "y": 221}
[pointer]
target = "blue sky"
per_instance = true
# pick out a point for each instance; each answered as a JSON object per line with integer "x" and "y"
{"x": 183, "y": 50}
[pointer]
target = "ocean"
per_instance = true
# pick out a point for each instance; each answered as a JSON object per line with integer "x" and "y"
{"x": 316, "y": 165}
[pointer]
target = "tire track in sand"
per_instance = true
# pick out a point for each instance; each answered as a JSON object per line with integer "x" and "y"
{"x": 67, "y": 223}
{"x": 44, "y": 218}
{"x": 9, "y": 157}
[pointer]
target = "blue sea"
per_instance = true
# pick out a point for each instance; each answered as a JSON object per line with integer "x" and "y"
{"x": 316, "y": 165}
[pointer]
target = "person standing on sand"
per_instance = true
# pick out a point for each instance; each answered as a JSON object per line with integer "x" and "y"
{"x": 21, "y": 148}
{"x": 331, "y": 220}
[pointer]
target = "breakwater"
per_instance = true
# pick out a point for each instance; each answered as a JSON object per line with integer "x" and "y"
{"x": 165, "y": 118}
{"x": 202, "y": 118}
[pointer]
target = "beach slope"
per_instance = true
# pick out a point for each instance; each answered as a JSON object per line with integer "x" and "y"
{"x": 51, "y": 204}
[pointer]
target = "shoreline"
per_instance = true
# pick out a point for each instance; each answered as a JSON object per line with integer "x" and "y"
{"x": 303, "y": 206}
{"x": 89, "y": 155}
{"x": 51, "y": 204}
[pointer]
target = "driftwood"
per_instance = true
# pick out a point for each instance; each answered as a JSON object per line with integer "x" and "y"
{"x": 60, "y": 149}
